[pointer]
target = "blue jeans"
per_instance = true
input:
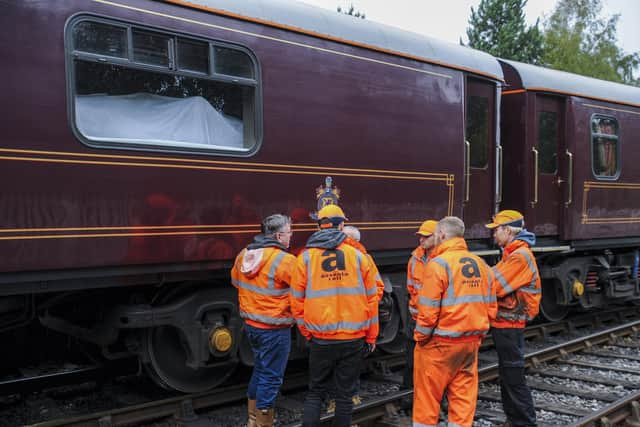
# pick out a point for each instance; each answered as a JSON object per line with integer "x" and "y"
{"x": 270, "y": 353}
{"x": 516, "y": 396}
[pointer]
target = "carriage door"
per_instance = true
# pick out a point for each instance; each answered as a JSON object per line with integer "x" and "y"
{"x": 545, "y": 154}
{"x": 479, "y": 154}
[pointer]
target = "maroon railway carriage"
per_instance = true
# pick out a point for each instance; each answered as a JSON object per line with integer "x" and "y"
{"x": 571, "y": 166}
{"x": 143, "y": 141}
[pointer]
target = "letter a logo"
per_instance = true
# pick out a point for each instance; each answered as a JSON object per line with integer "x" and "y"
{"x": 469, "y": 267}
{"x": 334, "y": 260}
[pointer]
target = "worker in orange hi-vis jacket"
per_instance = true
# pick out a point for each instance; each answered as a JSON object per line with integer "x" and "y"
{"x": 262, "y": 273}
{"x": 334, "y": 302}
{"x": 385, "y": 300}
{"x": 415, "y": 267}
{"x": 455, "y": 307}
{"x": 519, "y": 292}
{"x": 353, "y": 239}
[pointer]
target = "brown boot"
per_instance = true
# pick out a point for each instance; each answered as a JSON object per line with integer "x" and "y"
{"x": 251, "y": 411}
{"x": 264, "y": 417}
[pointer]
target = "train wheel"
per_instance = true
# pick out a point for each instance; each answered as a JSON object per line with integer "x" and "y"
{"x": 167, "y": 353}
{"x": 550, "y": 310}
{"x": 396, "y": 344}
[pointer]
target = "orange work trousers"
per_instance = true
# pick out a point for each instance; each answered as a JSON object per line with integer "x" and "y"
{"x": 441, "y": 366}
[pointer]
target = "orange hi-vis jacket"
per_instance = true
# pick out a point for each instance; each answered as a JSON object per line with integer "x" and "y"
{"x": 262, "y": 277}
{"x": 333, "y": 290}
{"x": 415, "y": 270}
{"x": 458, "y": 300}
{"x": 359, "y": 246}
{"x": 517, "y": 286}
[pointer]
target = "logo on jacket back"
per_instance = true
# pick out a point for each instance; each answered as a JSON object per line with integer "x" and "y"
{"x": 333, "y": 260}
{"x": 333, "y": 265}
{"x": 470, "y": 271}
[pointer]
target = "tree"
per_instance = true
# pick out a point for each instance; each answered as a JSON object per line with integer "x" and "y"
{"x": 351, "y": 11}
{"x": 498, "y": 27}
{"x": 577, "y": 40}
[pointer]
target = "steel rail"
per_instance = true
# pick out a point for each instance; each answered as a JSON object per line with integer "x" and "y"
{"x": 176, "y": 406}
{"x": 625, "y": 411}
{"x": 98, "y": 372}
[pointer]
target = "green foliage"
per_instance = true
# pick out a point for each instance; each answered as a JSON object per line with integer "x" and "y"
{"x": 578, "y": 41}
{"x": 498, "y": 27}
{"x": 351, "y": 11}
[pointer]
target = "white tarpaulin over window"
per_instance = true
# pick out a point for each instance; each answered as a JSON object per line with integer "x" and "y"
{"x": 154, "y": 119}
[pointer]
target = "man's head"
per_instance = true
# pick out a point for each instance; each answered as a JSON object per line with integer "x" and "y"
{"x": 506, "y": 225}
{"x": 352, "y": 232}
{"x": 278, "y": 226}
{"x": 331, "y": 216}
{"x": 448, "y": 228}
{"x": 426, "y": 234}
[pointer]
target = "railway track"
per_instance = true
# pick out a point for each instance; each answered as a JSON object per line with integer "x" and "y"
{"x": 383, "y": 410}
{"x": 624, "y": 410}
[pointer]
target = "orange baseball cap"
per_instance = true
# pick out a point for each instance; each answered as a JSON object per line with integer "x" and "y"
{"x": 331, "y": 211}
{"x": 427, "y": 228}
{"x": 507, "y": 217}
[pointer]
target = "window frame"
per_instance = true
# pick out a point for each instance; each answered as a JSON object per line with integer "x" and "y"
{"x": 71, "y": 56}
{"x": 592, "y": 134}
{"x": 487, "y": 146}
{"x": 557, "y": 141}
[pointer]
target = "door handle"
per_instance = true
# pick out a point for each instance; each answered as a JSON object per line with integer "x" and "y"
{"x": 569, "y": 179}
{"x": 499, "y": 174}
{"x": 535, "y": 177}
{"x": 467, "y": 169}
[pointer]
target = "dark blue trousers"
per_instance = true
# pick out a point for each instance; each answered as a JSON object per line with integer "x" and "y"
{"x": 410, "y": 345}
{"x": 517, "y": 402}
{"x": 333, "y": 368}
{"x": 270, "y": 352}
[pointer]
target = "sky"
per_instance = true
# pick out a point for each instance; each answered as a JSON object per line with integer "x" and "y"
{"x": 448, "y": 19}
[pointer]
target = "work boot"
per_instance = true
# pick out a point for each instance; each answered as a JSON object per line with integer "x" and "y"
{"x": 356, "y": 399}
{"x": 264, "y": 417}
{"x": 251, "y": 412}
{"x": 331, "y": 406}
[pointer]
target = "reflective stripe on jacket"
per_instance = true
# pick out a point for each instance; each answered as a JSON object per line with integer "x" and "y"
{"x": 415, "y": 270}
{"x": 262, "y": 277}
{"x": 459, "y": 299}
{"x": 517, "y": 286}
{"x": 334, "y": 294}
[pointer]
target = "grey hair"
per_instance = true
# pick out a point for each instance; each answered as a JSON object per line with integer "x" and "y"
{"x": 515, "y": 230}
{"x": 451, "y": 226}
{"x": 352, "y": 232}
{"x": 274, "y": 223}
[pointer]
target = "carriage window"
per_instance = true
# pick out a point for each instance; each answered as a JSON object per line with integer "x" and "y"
{"x": 94, "y": 37}
{"x": 478, "y": 130}
{"x": 150, "y": 48}
{"x": 232, "y": 63}
{"x": 547, "y": 142}
{"x": 164, "y": 95}
{"x": 605, "y": 147}
{"x": 193, "y": 56}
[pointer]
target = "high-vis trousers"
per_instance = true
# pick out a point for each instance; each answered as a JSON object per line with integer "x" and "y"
{"x": 441, "y": 366}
